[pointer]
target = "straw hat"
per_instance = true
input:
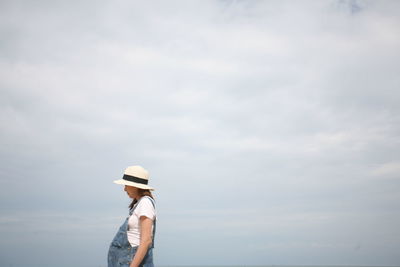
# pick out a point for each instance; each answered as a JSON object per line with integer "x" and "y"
{"x": 135, "y": 176}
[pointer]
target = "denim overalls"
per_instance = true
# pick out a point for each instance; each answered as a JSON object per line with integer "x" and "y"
{"x": 121, "y": 252}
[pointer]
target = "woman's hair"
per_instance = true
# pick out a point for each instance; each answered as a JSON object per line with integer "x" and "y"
{"x": 142, "y": 192}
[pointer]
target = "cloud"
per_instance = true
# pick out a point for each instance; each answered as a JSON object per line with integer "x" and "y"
{"x": 387, "y": 169}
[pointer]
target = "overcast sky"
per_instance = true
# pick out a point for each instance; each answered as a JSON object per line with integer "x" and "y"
{"x": 271, "y": 129}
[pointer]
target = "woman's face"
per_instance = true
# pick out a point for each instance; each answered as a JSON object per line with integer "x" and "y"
{"x": 133, "y": 192}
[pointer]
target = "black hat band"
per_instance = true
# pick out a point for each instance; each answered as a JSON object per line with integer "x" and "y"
{"x": 135, "y": 179}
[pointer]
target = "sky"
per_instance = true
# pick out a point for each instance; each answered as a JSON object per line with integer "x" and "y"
{"x": 270, "y": 129}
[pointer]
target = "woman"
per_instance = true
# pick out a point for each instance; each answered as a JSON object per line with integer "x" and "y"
{"x": 133, "y": 244}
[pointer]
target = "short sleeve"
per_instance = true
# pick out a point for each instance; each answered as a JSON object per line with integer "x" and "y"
{"x": 145, "y": 208}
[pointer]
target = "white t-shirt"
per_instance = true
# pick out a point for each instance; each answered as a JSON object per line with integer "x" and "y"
{"x": 143, "y": 208}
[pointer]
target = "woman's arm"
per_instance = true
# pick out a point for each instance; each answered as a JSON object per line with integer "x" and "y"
{"x": 145, "y": 240}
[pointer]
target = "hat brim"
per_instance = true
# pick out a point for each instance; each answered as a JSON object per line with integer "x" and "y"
{"x": 141, "y": 186}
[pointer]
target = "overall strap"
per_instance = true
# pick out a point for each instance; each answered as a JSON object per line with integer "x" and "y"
{"x": 154, "y": 224}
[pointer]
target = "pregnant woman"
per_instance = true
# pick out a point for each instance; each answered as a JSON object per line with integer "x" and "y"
{"x": 133, "y": 244}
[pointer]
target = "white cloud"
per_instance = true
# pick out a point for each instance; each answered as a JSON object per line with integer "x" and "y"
{"x": 389, "y": 169}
